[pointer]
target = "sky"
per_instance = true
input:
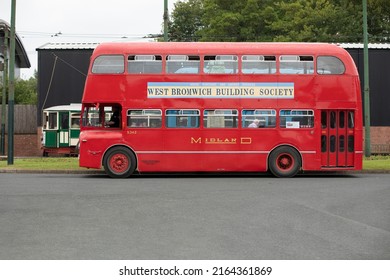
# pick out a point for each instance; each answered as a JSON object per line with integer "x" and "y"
{"x": 40, "y": 21}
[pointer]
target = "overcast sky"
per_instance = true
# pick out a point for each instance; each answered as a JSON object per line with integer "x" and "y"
{"x": 37, "y": 21}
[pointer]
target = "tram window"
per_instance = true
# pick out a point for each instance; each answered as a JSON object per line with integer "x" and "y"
{"x": 295, "y": 64}
{"x": 220, "y": 118}
{"x": 108, "y": 64}
{"x": 145, "y": 64}
{"x": 330, "y": 65}
{"x": 221, "y": 64}
{"x": 186, "y": 118}
{"x": 296, "y": 118}
{"x": 75, "y": 120}
{"x": 52, "y": 120}
{"x": 263, "y": 118}
{"x": 183, "y": 64}
{"x": 64, "y": 121}
{"x": 258, "y": 64}
{"x": 144, "y": 118}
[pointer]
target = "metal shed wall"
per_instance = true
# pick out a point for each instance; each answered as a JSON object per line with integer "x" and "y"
{"x": 379, "y": 71}
{"x": 61, "y": 77}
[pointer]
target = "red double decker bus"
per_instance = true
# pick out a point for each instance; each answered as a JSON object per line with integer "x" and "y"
{"x": 221, "y": 107}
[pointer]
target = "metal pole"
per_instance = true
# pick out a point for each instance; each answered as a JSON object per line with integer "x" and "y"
{"x": 4, "y": 97}
{"x": 165, "y": 20}
{"x": 10, "y": 156}
{"x": 367, "y": 142}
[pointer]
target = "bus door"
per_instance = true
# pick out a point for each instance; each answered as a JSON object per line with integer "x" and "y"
{"x": 63, "y": 129}
{"x": 337, "y": 138}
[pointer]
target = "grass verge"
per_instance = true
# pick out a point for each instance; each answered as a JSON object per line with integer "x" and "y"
{"x": 376, "y": 163}
{"x": 43, "y": 163}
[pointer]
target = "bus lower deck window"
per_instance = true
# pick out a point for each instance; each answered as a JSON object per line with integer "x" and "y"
{"x": 263, "y": 118}
{"x": 220, "y": 118}
{"x": 185, "y": 118}
{"x": 296, "y": 118}
{"x": 144, "y": 118}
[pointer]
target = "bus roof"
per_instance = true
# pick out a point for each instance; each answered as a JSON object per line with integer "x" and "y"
{"x": 206, "y": 48}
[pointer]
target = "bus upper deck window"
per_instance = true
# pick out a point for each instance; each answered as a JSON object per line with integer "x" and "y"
{"x": 108, "y": 64}
{"x": 221, "y": 64}
{"x": 183, "y": 64}
{"x": 330, "y": 65}
{"x": 145, "y": 64}
{"x": 296, "y": 64}
{"x": 258, "y": 64}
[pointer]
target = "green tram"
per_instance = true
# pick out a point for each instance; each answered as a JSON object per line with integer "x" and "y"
{"x": 61, "y": 130}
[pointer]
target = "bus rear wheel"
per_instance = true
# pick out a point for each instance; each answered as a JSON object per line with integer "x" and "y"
{"x": 119, "y": 162}
{"x": 284, "y": 162}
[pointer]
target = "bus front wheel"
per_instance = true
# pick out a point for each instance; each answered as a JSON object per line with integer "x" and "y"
{"x": 119, "y": 162}
{"x": 284, "y": 162}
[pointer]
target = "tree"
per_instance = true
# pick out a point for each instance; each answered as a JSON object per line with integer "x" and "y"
{"x": 308, "y": 20}
{"x": 279, "y": 20}
{"x": 379, "y": 20}
{"x": 226, "y": 20}
{"x": 25, "y": 91}
{"x": 185, "y": 21}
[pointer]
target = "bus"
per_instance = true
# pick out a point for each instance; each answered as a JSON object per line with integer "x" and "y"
{"x": 61, "y": 129}
{"x": 283, "y": 108}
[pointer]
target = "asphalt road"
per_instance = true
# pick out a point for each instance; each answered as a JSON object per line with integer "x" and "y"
{"x": 68, "y": 216}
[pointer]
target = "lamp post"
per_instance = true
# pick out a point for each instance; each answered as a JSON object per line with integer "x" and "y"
{"x": 367, "y": 142}
{"x": 165, "y": 20}
{"x": 5, "y": 83}
{"x": 10, "y": 156}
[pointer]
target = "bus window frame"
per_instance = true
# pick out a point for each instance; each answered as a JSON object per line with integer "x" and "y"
{"x": 160, "y": 57}
{"x": 261, "y": 117}
{"x": 220, "y": 64}
{"x": 182, "y": 117}
{"x": 289, "y": 58}
{"x": 234, "y": 118}
{"x": 189, "y": 58}
{"x": 142, "y": 116}
{"x": 293, "y": 119}
{"x": 108, "y": 72}
{"x": 265, "y": 59}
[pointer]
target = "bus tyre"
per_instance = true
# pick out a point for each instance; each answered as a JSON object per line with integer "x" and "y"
{"x": 119, "y": 162}
{"x": 284, "y": 162}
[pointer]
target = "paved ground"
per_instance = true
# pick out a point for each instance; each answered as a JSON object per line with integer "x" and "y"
{"x": 78, "y": 216}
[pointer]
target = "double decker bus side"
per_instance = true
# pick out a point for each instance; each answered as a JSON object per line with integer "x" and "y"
{"x": 218, "y": 107}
